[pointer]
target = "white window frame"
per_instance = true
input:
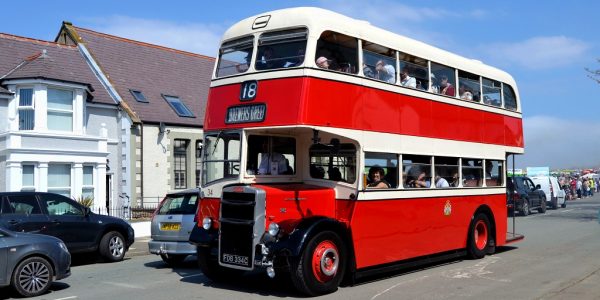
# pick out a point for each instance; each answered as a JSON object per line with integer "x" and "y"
{"x": 26, "y": 107}
{"x": 87, "y": 186}
{"x": 60, "y": 111}
{"x": 28, "y": 188}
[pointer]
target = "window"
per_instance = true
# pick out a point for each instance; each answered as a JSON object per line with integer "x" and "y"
{"x": 339, "y": 50}
{"x": 26, "y": 109}
{"x": 336, "y": 162}
{"x": 416, "y": 171}
{"x": 180, "y": 163}
{"x": 491, "y": 92}
{"x": 178, "y": 205}
{"x": 271, "y": 155}
{"x": 28, "y": 179}
{"x": 443, "y": 80}
{"x": 178, "y": 106}
{"x": 139, "y": 96}
{"x": 469, "y": 86}
{"x": 510, "y": 100}
{"x": 446, "y": 172}
{"x": 221, "y": 156}
{"x": 60, "y": 206}
{"x": 87, "y": 190}
{"x": 472, "y": 172}
{"x": 381, "y": 170}
{"x": 60, "y": 110}
{"x": 22, "y": 205}
{"x": 59, "y": 179}
{"x": 494, "y": 172}
{"x": 281, "y": 49}
{"x": 379, "y": 62}
{"x": 235, "y": 56}
{"x": 415, "y": 67}
{"x": 198, "y": 161}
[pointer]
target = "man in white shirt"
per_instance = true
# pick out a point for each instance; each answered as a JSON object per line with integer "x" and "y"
{"x": 385, "y": 72}
{"x": 271, "y": 163}
{"x": 441, "y": 182}
{"x": 406, "y": 80}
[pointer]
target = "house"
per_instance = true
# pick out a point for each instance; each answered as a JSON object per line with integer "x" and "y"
{"x": 55, "y": 120}
{"x": 92, "y": 114}
{"x": 165, "y": 91}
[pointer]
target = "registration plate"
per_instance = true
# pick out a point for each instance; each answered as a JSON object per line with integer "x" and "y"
{"x": 170, "y": 226}
{"x": 235, "y": 260}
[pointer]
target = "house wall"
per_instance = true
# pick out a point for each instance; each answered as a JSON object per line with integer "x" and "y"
{"x": 158, "y": 178}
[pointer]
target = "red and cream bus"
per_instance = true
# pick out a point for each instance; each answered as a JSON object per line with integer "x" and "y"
{"x": 334, "y": 149}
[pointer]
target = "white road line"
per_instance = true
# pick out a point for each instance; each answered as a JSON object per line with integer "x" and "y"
{"x": 398, "y": 284}
{"x": 190, "y": 276}
{"x": 566, "y": 210}
{"x": 65, "y": 298}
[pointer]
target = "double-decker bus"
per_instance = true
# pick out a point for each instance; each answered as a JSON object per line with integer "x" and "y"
{"x": 334, "y": 149}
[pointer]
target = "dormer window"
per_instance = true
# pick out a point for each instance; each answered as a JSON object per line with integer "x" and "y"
{"x": 60, "y": 110}
{"x": 26, "y": 109}
{"x": 178, "y": 106}
{"x": 139, "y": 96}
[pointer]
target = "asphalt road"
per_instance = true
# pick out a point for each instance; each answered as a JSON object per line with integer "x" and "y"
{"x": 559, "y": 259}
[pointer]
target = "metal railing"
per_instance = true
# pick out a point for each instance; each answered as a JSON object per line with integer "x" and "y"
{"x": 128, "y": 213}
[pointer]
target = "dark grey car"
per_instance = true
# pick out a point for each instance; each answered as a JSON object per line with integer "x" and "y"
{"x": 31, "y": 262}
{"x": 172, "y": 224}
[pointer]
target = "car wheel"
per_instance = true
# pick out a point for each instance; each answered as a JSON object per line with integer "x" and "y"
{"x": 542, "y": 208}
{"x": 555, "y": 203}
{"x": 32, "y": 276}
{"x": 112, "y": 246}
{"x": 480, "y": 236}
{"x": 173, "y": 259}
{"x": 212, "y": 270}
{"x": 321, "y": 266}
{"x": 525, "y": 211}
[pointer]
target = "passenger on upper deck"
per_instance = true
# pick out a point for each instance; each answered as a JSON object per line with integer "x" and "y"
{"x": 323, "y": 62}
{"x": 368, "y": 72}
{"x": 268, "y": 60}
{"x": 465, "y": 94}
{"x": 406, "y": 80}
{"x": 385, "y": 72}
{"x": 447, "y": 88}
{"x": 376, "y": 175}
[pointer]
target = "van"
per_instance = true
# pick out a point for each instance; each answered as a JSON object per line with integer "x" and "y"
{"x": 172, "y": 224}
{"x": 555, "y": 196}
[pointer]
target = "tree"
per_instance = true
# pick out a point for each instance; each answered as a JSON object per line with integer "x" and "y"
{"x": 594, "y": 74}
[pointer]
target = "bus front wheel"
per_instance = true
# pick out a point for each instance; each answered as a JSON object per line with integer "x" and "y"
{"x": 480, "y": 236}
{"x": 210, "y": 267}
{"x": 321, "y": 266}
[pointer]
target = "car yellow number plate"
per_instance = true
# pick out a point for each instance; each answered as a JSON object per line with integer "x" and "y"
{"x": 170, "y": 226}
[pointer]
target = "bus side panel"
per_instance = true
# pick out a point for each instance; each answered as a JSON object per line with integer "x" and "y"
{"x": 513, "y": 132}
{"x": 386, "y": 231}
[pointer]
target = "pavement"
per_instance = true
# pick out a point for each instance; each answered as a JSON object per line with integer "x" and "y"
{"x": 142, "y": 236}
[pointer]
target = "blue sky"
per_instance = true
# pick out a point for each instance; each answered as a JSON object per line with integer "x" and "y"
{"x": 544, "y": 45}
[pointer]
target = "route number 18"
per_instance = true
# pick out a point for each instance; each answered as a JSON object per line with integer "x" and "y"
{"x": 248, "y": 90}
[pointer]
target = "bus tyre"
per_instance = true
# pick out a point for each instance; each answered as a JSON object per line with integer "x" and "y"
{"x": 480, "y": 236}
{"x": 542, "y": 208}
{"x": 210, "y": 267}
{"x": 525, "y": 209}
{"x": 321, "y": 266}
{"x": 173, "y": 259}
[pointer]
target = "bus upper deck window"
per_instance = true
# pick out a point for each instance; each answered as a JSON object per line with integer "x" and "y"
{"x": 235, "y": 56}
{"x": 510, "y": 100}
{"x": 340, "y": 50}
{"x": 281, "y": 49}
{"x": 491, "y": 92}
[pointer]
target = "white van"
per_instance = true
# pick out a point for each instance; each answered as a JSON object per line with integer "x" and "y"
{"x": 555, "y": 196}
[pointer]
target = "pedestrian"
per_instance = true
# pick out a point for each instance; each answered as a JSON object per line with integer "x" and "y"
{"x": 579, "y": 186}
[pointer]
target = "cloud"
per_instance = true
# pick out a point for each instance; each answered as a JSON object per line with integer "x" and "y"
{"x": 543, "y": 52}
{"x": 560, "y": 143}
{"x": 193, "y": 37}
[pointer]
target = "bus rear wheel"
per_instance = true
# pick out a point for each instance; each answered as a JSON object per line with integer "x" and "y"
{"x": 321, "y": 266}
{"x": 480, "y": 236}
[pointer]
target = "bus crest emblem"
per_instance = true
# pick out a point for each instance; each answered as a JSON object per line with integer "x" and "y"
{"x": 447, "y": 208}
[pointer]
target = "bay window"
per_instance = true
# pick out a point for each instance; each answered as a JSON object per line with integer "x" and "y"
{"x": 60, "y": 110}
{"x": 87, "y": 190}
{"x": 59, "y": 179}
{"x": 26, "y": 109}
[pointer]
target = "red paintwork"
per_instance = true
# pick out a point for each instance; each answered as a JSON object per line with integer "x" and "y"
{"x": 209, "y": 207}
{"x": 391, "y": 230}
{"x": 289, "y": 204}
{"x": 480, "y": 235}
{"x": 320, "y": 102}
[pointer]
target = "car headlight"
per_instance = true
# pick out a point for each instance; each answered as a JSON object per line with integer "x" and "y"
{"x": 206, "y": 223}
{"x": 273, "y": 229}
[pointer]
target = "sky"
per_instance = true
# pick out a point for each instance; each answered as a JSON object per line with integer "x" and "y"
{"x": 544, "y": 45}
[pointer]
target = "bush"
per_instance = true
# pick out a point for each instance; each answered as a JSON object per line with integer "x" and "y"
{"x": 86, "y": 201}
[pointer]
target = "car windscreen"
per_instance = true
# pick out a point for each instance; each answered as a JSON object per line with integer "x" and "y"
{"x": 178, "y": 205}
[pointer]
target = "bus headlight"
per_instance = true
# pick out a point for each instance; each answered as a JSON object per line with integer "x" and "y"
{"x": 206, "y": 223}
{"x": 273, "y": 229}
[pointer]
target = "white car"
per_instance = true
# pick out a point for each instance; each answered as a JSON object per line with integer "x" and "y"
{"x": 555, "y": 195}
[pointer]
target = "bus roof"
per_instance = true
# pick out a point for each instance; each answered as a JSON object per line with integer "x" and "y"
{"x": 319, "y": 20}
